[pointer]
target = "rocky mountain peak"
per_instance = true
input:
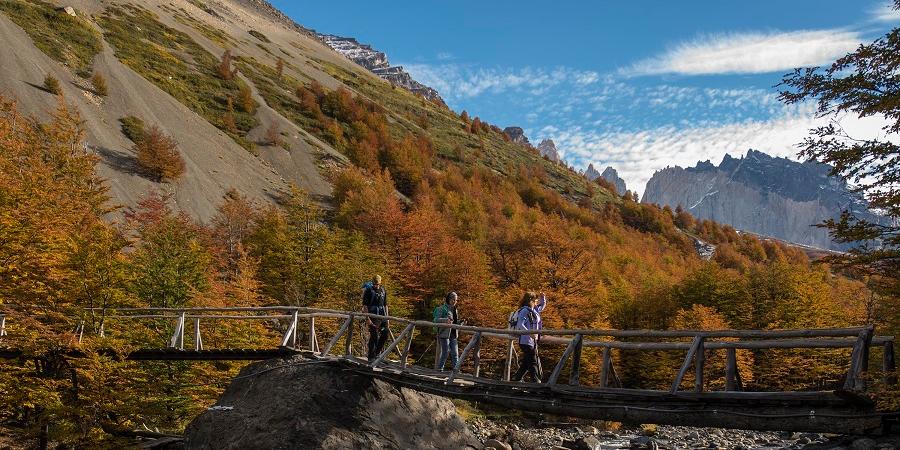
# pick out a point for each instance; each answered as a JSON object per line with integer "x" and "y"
{"x": 591, "y": 173}
{"x": 610, "y": 174}
{"x": 377, "y": 62}
{"x": 548, "y": 148}
{"x": 517, "y": 135}
{"x": 760, "y": 193}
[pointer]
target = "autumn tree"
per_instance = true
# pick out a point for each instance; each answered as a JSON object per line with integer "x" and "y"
{"x": 228, "y": 120}
{"x": 245, "y": 96}
{"x": 56, "y": 253}
{"x": 475, "y": 126}
{"x": 226, "y": 72}
{"x": 158, "y": 155}
{"x": 279, "y": 67}
{"x": 273, "y": 135}
{"x": 862, "y": 83}
{"x": 170, "y": 263}
{"x": 99, "y": 83}
{"x": 51, "y": 84}
{"x": 231, "y": 227}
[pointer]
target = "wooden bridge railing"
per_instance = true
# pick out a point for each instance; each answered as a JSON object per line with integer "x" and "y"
{"x": 859, "y": 339}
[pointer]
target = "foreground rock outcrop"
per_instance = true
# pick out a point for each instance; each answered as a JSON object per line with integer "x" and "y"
{"x": 300, "y": 403}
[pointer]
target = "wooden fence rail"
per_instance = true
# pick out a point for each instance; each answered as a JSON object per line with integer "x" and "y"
{"x": 858, "y": 339}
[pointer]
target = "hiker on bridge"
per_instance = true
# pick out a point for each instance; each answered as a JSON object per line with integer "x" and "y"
{"x": 528, "y": 317}
{"x": 447, "y": 337}
{"x": 375, "y": 302}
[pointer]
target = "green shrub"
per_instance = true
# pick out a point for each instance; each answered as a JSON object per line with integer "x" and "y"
{"x": 51, "y": 84}
{"x": 133, "y": 128}
{"x": 260, "y": 36}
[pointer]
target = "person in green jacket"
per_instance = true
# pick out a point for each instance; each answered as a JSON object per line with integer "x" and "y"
{"x": 446, "y": 312}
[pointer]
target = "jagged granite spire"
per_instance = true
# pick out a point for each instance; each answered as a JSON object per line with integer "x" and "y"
{"x": 762, "y": 194}
{"x": 548, "y": 148}
{"x": 610, "y": 174}
{"x": 377, "y": 63}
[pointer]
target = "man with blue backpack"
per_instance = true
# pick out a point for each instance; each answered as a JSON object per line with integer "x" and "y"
{"x": 374, "y": 301}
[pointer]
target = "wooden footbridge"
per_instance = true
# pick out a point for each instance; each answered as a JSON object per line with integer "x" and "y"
{"x": 488, "y": 358}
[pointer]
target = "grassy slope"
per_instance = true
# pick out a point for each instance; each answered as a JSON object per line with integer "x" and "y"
{"x": 175, "y": 63}
{"x": 69, "y": 40}
{"x": 447, "y": 131}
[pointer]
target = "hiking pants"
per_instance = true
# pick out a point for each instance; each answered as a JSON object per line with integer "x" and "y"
{"x": 448, "y": 346}
{"x": 528, "y": 364}
{"x": 378, "y": 333}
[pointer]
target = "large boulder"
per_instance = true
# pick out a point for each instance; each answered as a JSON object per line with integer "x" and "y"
{"x": 300, "y": 403}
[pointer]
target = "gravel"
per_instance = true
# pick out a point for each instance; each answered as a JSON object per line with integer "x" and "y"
{"x": 522, "y": 436}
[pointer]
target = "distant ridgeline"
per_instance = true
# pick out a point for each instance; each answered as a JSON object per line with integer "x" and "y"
{"x": 759, "y": 193}
{"x": 378, "y": 64}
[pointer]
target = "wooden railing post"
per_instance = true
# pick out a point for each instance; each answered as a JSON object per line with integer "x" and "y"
{"x": 507, "y": 374}
{"x": 337, "y": 336}
{"x": 198, "y": 341}
{"x": 888, "y": 364}
{"x": 348, "y": 347}
{"x": 177, "y": 340}
{"x": 405, "y": 355}
{"x": 459, "y": 362}
{"x": 476, "y": 362}
{"x": 859, "y": 361}
{"x": 732, "y": 372}
{"x": 392, "y": 346}
{"x": 699, "y": 364}
{"x": 313, "y": 347}
{"x": 554, "y": 376}
{"x": 697, "y": 344}
{"x": 575, "y": 375}
{"x": 290, "y": 336}
{"x": 605, "y": 367}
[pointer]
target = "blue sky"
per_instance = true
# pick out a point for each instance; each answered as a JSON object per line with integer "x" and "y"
{"x": 636, "y": 85}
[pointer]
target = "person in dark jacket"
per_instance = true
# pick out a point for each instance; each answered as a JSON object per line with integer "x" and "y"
{"x": 447, "y": 337}
{"x": 529, "y": 318}
{"x": 375, "y": 302}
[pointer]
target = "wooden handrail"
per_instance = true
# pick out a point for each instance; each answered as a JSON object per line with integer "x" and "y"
{"x": 323, "y": 312}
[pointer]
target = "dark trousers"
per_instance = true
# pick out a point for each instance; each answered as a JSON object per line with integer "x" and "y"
{"x": 528, "y": 364}
{"x": 378, "y": 334}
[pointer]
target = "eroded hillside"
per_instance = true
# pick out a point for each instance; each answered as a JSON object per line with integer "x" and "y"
{"x": 163, "y": 64}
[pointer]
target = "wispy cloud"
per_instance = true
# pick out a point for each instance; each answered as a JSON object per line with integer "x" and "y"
{"x": 456, "y": 81}
{"x": 885, "y": 12}
{"x": 445, "y": 56}
{"x": 737, "y": 53}
{"x": 638, "y": 154}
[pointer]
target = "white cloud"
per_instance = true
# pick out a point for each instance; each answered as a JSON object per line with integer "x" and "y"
{"x": 636, "y": 155}
{"x": 885, "y": 12}
{"x": 445, "y": 56}
{"x": 455, "y": 81}
{"x": 749, "y": 53}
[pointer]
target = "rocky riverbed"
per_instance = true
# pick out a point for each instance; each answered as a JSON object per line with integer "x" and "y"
{"x": 509, "y": 435}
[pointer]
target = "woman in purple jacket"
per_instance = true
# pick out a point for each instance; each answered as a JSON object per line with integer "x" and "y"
{"x": 529, "y": 318}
